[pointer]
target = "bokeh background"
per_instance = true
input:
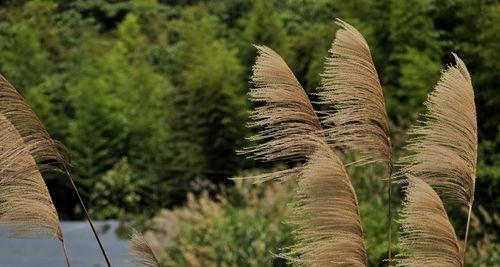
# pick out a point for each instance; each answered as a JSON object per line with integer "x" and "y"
{"x": 150, "y": 98}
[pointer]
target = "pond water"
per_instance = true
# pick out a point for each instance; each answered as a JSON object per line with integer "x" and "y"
{"x": 80, "y": 242}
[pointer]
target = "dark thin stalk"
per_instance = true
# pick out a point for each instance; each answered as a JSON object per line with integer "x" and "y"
{"x": 389, "y": 216}
{"x": 66, "y": 255}
{"x": 466, "y": 233}
{"x": 88, "y": 217}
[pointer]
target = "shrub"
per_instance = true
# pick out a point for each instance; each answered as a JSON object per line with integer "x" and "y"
{"x": 117, "y": 193}
{"x": 242, "y": 226}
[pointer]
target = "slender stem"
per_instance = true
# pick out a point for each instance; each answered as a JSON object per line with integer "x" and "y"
{"x": 389, "y": 216}
{"x": 66, "y": 255}
{"x": 466, "y": 233}
{"x": 87, "y": 216}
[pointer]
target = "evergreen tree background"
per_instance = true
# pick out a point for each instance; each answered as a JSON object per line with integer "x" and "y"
{"x": 157, "y": 89}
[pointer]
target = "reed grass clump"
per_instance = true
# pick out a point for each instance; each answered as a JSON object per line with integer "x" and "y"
{"x": 440, "y": 162}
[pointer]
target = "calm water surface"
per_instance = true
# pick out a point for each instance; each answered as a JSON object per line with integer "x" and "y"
{"x": 79, "y": 240}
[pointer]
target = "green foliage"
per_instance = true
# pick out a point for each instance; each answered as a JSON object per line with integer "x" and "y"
{"x": 414, "y": 59}
{"x": 488, "y": 175}
{"x": 117, "y": 193}
{"x": 418, "y": 74}
{"x": 488, "y": 45}
{"x": 243, "y": 227}
{"x": 265, "y": 27}
{"x": 98, "y": 131}
{"x": 23, "y": 59}
{"x": 208, "y": 109}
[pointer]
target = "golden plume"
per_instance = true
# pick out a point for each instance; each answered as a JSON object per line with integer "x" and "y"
{"x": 25, "y": 203}
{"x": 444, "y": 147}
{"x": 142, "y": 254}
{"x": 358, "y": 119}
{"x": 31, "y": 129}
{"x": 46, "y": 152}
{"x": 427, "y": 237}
{"x": 350, "y": 84}
{"x": 285, "y": 116}
{"x": 330, "y": 230}
{"x": 327, "y": 214}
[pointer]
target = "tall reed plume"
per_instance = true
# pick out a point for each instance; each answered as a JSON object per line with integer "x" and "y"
{"x": 31, "y": 129}
{"x": 427, "y": 237}
{"x": 330, "y": 230}
{"x": 42, "y": 147}
{"x": 358, "y": 120}
{"x": 25, "y": 203}
{"x": 285, "y": 116}
{"x": 327, "y": 214}
{"x": 444, "y": 146}
{"x": 142, "y": 254}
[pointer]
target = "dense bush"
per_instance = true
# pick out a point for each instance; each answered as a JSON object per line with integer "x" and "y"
{"x": 117, "y": 194}
{"x": 243, "y": 226}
